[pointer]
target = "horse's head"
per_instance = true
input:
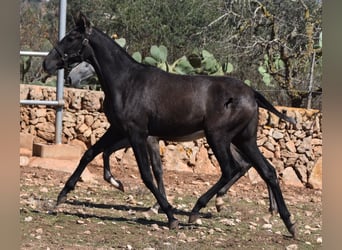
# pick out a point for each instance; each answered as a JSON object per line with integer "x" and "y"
{"x": 79, "y": 73}
{"x": 73, "y": 48}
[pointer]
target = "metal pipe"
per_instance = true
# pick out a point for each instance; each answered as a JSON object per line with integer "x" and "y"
{"x": 60, "y": 74}
{"x": 33, "y": 53}
{"x": 43, "y": 102}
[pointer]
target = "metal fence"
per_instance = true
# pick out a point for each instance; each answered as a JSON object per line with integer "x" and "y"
{"x": 59, "y": 102}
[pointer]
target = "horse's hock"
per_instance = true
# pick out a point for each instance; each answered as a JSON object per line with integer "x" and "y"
{"x": 295, "y": 151}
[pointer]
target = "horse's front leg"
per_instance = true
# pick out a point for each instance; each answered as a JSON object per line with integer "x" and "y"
{"x": 157, "y": 168}
{"x": 105, "y": 141}
{"x": 139, "y": 145}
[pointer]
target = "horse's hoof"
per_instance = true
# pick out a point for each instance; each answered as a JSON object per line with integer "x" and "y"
{"x": 173, "y": 224}
{"x": 292, "y": 230}
{"x": 61, "y": 199}
{"x": 121, "y": 187}
{"x": 273, "y": 211}
{"x": 219, "y": 204}
{"x": 193, "y": 218}
{"x": 117, "y": 184}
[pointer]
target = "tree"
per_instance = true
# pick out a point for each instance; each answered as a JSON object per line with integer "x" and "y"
{"x": 275, "y": 38}
{"x": 274, "y": 44}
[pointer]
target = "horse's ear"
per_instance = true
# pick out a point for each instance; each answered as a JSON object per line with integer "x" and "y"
{"x": 82, "y": 22}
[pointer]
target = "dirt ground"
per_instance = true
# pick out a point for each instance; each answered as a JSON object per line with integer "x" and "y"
{"x": 98, "y": 216}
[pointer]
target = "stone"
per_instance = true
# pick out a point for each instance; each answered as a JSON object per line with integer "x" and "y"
{"x": 35, "y": 93}
{"x": 278, "y": 164}
{"x": 292, "y": 247}
{"x": 263, "y": 117}
{"x": 267, "y": 153}
{"x": 203, "y": 163}
{"x": 46, "y": 136}
{"x": 91, "y": 102}
{"x": 75, "y": 100}
{"x": 274, "y": 120}
{"x": 89, "y": 120}
{"x": 315, "y": 179}
{"x": 302, "y": 172}
{"x": 268, "y": 145}
{"x": 277, "y": 135}
{"x": 24, "y": 160}
{"x": 291, "y": 146}
{"x": 82, "y": 128}
{"x": 254, "y": 176}
{"x": 290, "y": 177}
{"x": 305, "y": 145}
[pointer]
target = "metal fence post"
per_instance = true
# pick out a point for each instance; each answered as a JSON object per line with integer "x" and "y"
{"x": 60, "y": 74}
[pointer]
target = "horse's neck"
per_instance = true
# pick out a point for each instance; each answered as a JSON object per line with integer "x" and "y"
{"x": 108, "y": 54}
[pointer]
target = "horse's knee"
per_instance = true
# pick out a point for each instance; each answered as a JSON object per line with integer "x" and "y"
{"x": 87, "y": 156}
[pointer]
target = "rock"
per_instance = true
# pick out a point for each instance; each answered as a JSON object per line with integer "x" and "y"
{"x": 267, "y": 153}
{"x": 35, "y": 93}
{"x": 82, "y": 128}
{"x": 89, "y": 120}
{"x": 302, "y": 172}
{"x": 277, "y": 135}
{"x": 173, "y": 158}
{"x": 24, "y": 161}
{"x": 315, "y": 179}
{"x": 274, "y": 120}
{"x": 46, "y": 127}
{"x": 181, "y": 236}
{"x": 254, "y": 177}
{"x": 269, "y": 146}
{"x": 291, "y": 146}
{"x": 305, "y": 145}
{"x": 267, "y": 226}
{"x": 28, "y": 219}
{"x": 292, "y": 247}
{"x": 203, "y": 163}
{"x": 75, "y": 100}
{"x": 290, "y": 177}
{"x": 91, "y": 102}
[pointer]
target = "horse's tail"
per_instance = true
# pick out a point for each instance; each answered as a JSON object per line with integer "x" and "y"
{"x": 263, "y": 103}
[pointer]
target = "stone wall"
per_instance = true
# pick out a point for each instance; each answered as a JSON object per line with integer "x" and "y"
{"x": 295, "y": 151}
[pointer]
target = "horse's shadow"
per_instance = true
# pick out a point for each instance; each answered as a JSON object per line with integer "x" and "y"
{"x": 141, "y": 220}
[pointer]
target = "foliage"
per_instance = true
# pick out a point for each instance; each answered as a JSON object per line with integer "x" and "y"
{"x": 271, "y": 42}
{"x": 203, "y": 63}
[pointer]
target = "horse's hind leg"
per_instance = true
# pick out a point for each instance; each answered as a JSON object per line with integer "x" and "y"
{"x": 243, "y": 166}
{"x": 268, "y": 173}
{"x": 222, "y": 152}
{"x": 219, "y": 201}
{"x": 88, "y": 156}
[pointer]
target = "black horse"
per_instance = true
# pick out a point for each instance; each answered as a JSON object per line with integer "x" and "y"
{"x": 83, "y": 71}
{"x": 141, "y": 100}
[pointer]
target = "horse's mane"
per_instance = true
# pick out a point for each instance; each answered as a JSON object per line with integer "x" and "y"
{"x": 116, "y": 46}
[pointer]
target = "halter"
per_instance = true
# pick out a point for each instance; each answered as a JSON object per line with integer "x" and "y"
{"x": 67, "y": 57}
